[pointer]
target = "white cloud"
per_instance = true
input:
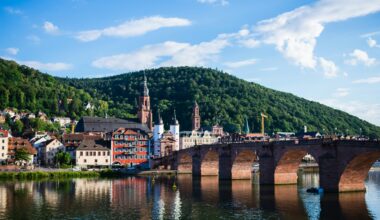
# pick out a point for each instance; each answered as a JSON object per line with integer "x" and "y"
{"x": 13, "y": 11}
{"x": 372, "y": 43}
{"x": 341, "y": 92}
{"x": 241, "y": 63}
{"x": 50, "y": 28}
{"x": 249, "y": 43}
{"x": 12, "y": 51}
{"x": 368, "y": 112}
{"x": 329, "y": 68}
{"x": 216, "y": 2}
{"x": 360, "y": 56}
{"x": 370, "y": 34}
{"x": 370, "y": 80}
{"x": 169, "y": 53}
{"x": 295, "y": 33}
{"x": 133, "y": 28}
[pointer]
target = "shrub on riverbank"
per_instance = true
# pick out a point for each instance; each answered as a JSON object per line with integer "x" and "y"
{"x": 40, "y": 174}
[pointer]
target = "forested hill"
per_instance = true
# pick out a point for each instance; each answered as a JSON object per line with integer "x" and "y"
{"x": 222, "y": 98}
{"x": 27, "y": 89}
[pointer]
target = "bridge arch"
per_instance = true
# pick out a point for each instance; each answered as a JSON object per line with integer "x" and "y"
{"x": 210, "y": 163}
{"x": 242, "y": 164}
{"x": 185, "y": 163}
{"x": 288, "y": 164}
{"x": 356, "y": 171}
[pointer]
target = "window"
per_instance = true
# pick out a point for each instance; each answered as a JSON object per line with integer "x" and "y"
{"x": 104, "y": 153}
{"x": 96, "y": 160}
{"x": 86, "y": 153}
{"x": 85, "y": 161}
{"x": 99, "y": 153}
{"x": 106, "y": 160}
{"x": 81, "y": 153}
{"x": 108, "y": 153}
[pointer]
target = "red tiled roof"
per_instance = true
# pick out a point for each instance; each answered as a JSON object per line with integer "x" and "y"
{"x": 19, "y": 143}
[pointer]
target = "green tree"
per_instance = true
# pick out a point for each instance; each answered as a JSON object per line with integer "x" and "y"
{"x": 62, "y": 158}
{"x": 18, "y": 127}
{"x": 22, "y": 154}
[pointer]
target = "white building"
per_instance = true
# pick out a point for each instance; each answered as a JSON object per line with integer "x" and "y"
{"x": 50, "y": 149}
{"x": 62, "y": 121}
{"x": 191, "y": 138}
{"x": 174, "y": 129}
{"x": 3, "y": 145}
{"x": 158, "y": 135}
{"x": 158, "y": 130}
{"x": 89, "y": 154}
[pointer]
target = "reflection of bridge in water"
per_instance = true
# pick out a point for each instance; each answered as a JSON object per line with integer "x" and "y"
{"x": 343, "y": 165}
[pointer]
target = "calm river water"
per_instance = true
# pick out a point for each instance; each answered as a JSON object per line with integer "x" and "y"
{"x": 205, "y": 198}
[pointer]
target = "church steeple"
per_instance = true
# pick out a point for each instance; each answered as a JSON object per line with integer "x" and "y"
{"x": 175, "y": 121}
{"x": 196, "y": 118}
{"x": 145, "y": 113}
{"x": 145, "y": 91}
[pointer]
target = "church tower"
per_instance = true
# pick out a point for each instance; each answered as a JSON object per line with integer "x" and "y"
{"x": 157, "y": 134}
{"x": 196, "y": 118}
{"x": 174, "y": 129}
{"x": 145, "y": 113}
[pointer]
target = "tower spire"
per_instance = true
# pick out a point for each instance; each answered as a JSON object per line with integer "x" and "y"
{"x": 145, "y": 87}
{"x": 175, "y": 121}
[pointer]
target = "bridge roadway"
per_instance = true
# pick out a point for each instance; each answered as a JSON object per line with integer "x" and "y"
{"x": 343, "y": 164}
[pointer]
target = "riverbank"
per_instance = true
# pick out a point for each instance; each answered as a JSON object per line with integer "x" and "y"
{"x": 33, "y": 175}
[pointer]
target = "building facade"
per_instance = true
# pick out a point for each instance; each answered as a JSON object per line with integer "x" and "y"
{"x": 90, "y": 154}
{"x": 130, "y": 147}
{"x": 192, "y": 138}
{"x": 50, "y": 149}
{"x": 15, "y": 144}
{"x": 3, "y": 145}
{"x": 73, "y": 140}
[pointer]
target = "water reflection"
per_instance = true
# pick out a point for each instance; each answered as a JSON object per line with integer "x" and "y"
{"x": 202, "y": 198}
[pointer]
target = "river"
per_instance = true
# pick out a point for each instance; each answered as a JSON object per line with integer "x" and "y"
{"x": 205, "y": 198}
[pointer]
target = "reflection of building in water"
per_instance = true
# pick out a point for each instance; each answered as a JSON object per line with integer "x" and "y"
{"x": 93, "y": 188}
{"x": 50, "y": 194}
{"x": 309, "y": 179}
{"x": 3, "y": 199}
{"x": 129, "y": 192}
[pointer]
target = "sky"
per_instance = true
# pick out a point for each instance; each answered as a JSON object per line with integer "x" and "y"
{"x": 326, "y": 51}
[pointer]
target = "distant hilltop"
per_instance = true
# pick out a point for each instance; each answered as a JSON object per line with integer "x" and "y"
{"x": 224, "y": 99}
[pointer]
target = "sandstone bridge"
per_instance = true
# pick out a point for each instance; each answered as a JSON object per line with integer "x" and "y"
{"x": 343, "y": 164}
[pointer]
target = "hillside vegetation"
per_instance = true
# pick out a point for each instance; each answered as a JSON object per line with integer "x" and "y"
{"x": 223, "y": 99}
{"x": 27, "y": 89}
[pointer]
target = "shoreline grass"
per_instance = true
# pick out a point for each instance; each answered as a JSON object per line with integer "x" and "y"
{"x": 34, "y": 175}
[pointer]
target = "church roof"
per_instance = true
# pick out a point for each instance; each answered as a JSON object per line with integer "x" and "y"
{"x": 87, "y": 124}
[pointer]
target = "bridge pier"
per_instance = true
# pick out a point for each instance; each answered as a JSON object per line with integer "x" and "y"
{"x": 328, "y": 173}
{"x": 196, "y": 167}
{"x": 267, "y": 169}
{"x": 225, "y": 163}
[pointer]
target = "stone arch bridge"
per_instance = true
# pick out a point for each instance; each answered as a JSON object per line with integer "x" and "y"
{"x": 343, "y": 164}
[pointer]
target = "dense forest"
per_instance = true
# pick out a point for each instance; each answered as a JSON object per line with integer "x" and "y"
{"x": 27, "y": 89}
{"x": 223, "y": 99}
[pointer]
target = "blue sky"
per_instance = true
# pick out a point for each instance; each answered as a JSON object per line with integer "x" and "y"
{"x": 327, "y": 51}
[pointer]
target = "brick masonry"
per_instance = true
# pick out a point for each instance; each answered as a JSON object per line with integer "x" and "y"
{"x": 343, "y": 165}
